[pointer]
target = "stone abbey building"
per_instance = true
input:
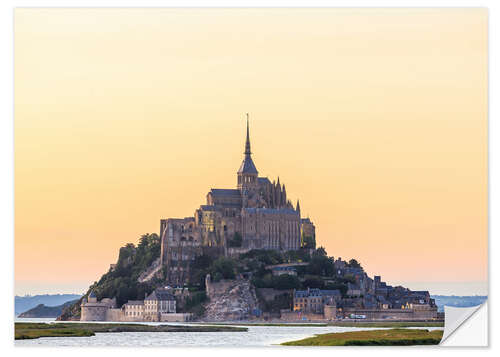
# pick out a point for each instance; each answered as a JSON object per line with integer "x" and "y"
{"x": 255, "y": 215}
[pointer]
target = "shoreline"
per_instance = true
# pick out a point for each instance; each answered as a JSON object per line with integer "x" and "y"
{"x": 125, "y": 334}
{"x": 33, "y": 330}
{"x": 339, "y": 323}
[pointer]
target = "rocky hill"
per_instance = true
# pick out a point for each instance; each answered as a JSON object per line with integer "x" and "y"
{"x": 43, "y": 311}
{"x": 254, "y": 283}
{"x": 26, "y": 302}
{"x": 230, "y": 300}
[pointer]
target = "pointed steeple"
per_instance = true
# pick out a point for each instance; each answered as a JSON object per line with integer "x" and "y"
{"x": 247, "y": 143}
{"x": 278, "y": 194}
{"x": 298, "y": 207}
{"x": 247, "y": 166}
{"x": 247, "y": 173}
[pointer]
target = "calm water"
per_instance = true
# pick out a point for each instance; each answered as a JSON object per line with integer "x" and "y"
{"x": 255, "y": 337}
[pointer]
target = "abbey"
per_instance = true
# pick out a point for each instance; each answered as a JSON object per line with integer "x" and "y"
{"x": 255, "y": 215}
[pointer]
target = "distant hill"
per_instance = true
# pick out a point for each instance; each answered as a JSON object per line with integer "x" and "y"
{"x": 458, "y": 301}
{"x": 24, "y": 303}
{"x": 46, "y": 311}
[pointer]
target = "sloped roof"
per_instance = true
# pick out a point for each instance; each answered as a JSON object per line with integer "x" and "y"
{"x": 225, "y": 192}
{"x": 270, "y": 210}
{"x": 247, "y": 166}
{"x": 208, "y": 208}
{"x": 135, "y": 302}
{"x": 306, "y": 293}
{"x": 330, "y": 292}
{"x": 161, "y": 295}
{"x": 284, "y": 268}
{"x": 263, "y": 181}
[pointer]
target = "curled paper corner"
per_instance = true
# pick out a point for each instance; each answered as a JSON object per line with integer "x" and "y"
{"x": 465, "y": 326}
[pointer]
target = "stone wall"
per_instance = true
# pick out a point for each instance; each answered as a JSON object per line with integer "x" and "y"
{"x": 114, "y": 315}
{"x": 330, "y": 312}
{"x": 425, "y": 314}
{"x": 177, "y": 317}
{"x": 93, "y": 312}
{"x": 296, "y": 316}
{"x": 397, "y": 314}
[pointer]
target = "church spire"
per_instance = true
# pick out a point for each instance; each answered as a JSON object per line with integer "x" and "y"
{"x": 247, "y": 174}
{"x": 247, "y": 144}
{"x": 298, "y": 207}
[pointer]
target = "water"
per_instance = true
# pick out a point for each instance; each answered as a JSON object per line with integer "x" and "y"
{"x": 256, "y": 336}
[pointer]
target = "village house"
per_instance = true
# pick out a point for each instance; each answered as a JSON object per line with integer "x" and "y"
{"x": 314, "y": 300}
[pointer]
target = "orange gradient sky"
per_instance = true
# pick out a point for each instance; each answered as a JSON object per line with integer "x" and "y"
{"x": 375, "y": 118}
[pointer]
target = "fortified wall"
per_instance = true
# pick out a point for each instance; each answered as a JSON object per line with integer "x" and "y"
{"x": 399, "y": 314}
{"x": 92, "y": 310}
{"x": 287, "y": 315}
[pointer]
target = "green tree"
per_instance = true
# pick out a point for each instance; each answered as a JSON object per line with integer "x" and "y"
{"x": 224, "y": 267}
{"x": 320, "y": 252}
{"x": 195, "y": 299}
{"x": 313, "y": 282}
{"x": 286, "y": 281}
{"x": 341, "y": 287}
{"x": 300, "y": 255}
{"x": 267, "y": 257}
{"x": 348, "y": 278}
{"x": 200, "y": 267}
{"x": 321, "y": 265}
{"x": 353, "y": 263}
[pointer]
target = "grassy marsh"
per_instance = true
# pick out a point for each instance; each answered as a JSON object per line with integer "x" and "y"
{"x": 27, "y": 330}
{"x": 392, "y": 337}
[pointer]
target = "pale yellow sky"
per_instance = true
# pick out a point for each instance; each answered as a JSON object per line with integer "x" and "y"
{"x": 375, "y": 118}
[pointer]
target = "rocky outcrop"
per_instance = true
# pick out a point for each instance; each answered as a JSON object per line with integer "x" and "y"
{"x": 229, "y": 300}
{"x": 71, "y": 312}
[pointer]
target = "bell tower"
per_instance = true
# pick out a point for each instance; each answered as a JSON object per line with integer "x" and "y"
{"x": 247, "y": 174}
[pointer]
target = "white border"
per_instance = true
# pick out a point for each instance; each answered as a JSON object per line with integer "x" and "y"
{"x": 6, "y": 157}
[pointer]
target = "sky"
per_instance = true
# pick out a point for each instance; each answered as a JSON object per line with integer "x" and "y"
{"x": 376, "y": 119}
